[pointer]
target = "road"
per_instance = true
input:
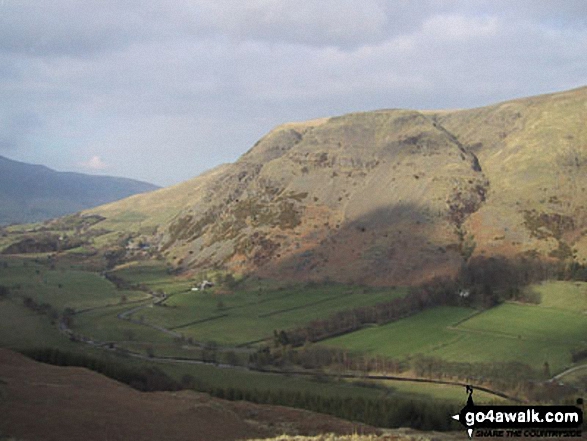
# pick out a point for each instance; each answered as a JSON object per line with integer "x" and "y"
{"x": 570, "y": 370}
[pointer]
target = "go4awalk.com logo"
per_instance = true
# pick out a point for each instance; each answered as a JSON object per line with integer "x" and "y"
{"x": 520, "y": 421}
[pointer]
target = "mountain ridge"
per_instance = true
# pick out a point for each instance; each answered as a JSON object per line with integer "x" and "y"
{"x": 31, "y": 192}
{"x": 391, "y": 196}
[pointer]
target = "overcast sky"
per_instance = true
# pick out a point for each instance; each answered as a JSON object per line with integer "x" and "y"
{"x": 161, "y": 91}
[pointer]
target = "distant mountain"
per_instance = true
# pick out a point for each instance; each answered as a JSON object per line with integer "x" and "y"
{"x": 384, "y": 197}
{"x": 30, "y": 193}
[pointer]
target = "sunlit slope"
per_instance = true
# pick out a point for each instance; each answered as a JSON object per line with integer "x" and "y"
{"x": 385, "y": 197}
{"x": 534, "y": 153}
{"x": 147, "y": 211}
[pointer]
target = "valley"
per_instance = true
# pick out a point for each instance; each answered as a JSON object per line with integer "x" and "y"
{"x": 366, "y": 266}
{"x": 222, "y": 339}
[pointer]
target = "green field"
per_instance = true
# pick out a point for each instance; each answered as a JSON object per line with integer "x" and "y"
{"x": 509, "y": 332}
{"x": 531, "y": 334}
{"x": 248, "y": 316}
{"x": 103, "y": 325}
{"x": 422, "y": 333}
{"x": 61, "y": 287}
{"x": 438, "y": 391}
{"x": 571, "y": 296}
{"x": 22, "y": 329}
{"x": 155, "y": 276}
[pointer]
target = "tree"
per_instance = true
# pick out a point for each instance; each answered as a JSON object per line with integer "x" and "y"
{"x": 209, "y": 351}
{"x": 4, "y": 292}
{"x": 283, "y": 339}
{"x": 229, "y": 281}
{"x": 546, "y": 369}
{"x": 231, "y": 358}
{"x": 67, "y": 317}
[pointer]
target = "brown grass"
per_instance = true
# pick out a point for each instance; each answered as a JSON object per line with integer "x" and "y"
{"x": 43, "y": 402}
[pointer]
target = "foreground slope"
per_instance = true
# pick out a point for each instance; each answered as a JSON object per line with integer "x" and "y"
{"x": 30, "y": 193}
{"x": 388, "y": 197}
{"x": 43, "y": 402}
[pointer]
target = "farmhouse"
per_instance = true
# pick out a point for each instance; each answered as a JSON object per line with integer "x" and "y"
{"x": 204, "y": 285}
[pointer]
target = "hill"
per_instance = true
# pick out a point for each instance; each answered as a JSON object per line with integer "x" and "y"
{"x": 31, "y": 193}
{"x": 43, "y": 402}
{"x": 382, "y": 198}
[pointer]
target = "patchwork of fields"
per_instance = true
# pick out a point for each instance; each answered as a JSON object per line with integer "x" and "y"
{"x": 23, "y": 329}
{"x": 532, "y": 334}
{"x": 247, "y": 317}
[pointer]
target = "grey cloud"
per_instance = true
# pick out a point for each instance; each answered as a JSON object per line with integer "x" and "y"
{"x": 325, "y": 22}
{"x": 70, "y": 27}
{"x": 14, "y": 126}
{"x": 176, "y": 88}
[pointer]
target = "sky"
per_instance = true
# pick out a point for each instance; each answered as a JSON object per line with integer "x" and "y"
{"x": 161, "y": 91}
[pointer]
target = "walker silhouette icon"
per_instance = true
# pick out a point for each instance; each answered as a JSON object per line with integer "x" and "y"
{"x": 470, "y": 399}
{"x": 533, "y": 420}
{"x": 460, "y": 417}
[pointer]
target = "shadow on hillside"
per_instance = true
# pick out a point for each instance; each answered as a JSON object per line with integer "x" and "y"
{"x": 402, "y": 244}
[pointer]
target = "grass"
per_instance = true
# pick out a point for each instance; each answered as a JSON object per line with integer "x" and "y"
{"x": 152, "y": 273}
{"x": 61, "y": 287}
{"x": 445, "y": 392}
{"x": 35, "y": 330}
{"x": 103, "y": 325}
{"x": 212, "y": 376}
{"x": 421, "y": 333}
{"x": 486, "y": 349}
{"x": 508, "y": 332}
{"x": 21, "y": 328}
{"x": 570, "y": 296}
{"x": 164, "y": 349}
{"x": 529, "y": 322}
{"x": 248, "y": 314}
{"x": 241, "y": 317}
{"x": 527, "y": 333}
